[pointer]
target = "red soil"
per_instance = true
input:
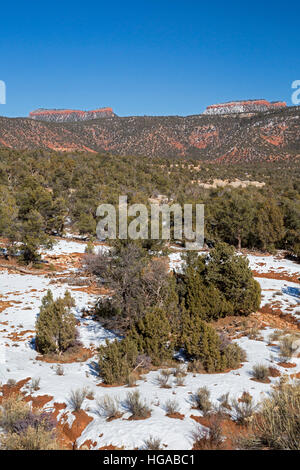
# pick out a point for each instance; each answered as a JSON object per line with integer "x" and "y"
{"x": 8, "y": 390}
{"x": 71, "y": 434}
{"x": 175, "y": 415}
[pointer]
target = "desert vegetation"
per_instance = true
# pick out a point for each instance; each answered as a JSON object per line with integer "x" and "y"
{"x": 276, "y": 425}
{"x": 25, "y": 429}
{"x": 208, "y": 288}
{"x": 148, "y": 327}
{"x": 56, "y": 325}
{"x": 42, "y": 191}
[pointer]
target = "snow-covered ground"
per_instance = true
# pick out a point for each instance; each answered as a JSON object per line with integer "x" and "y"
{"x": 18, "y": 360}
{"x": 276, "y": 264}
{"x": 65, "y": 247}
{"x": 277, "y": 294}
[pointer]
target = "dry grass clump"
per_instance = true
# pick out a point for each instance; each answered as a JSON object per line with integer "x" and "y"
{"x": 260, "y": 372}
{"x": 163, "y": 378}
{"x": 210, "y": 439}
{"x": 35, "y": 384}
{"x": 171, "y": 407}
{"x": 13, "y": 409}
{"x": 11, "y": 383}
{"x": 153, "y": 443}
{"x": 136, "y": 406}
{"x": 277, "y": 425}
{"x": 243, "y": 409}
{"x": 132, "y": 379}
{"x": 179, "y": 371}
{"x": 276, "y": 335}
{"x": 234, "y": 356}
{"x": 77, "y": 398}
{"x": 31, "y": 439}
{"x": 201, "y": 400}
{"x": 246, "y": 397}
{"x": 24, "y": 429}
{"x": 196, "y": 367}
{"x": 254, "y": 333}
{"x": 109, "y": 407}
{"x": 179, "y": 381}
{"x": 287, "y": 347}
{"x": 225, "y": 402}
{"x": 59, "y": 370}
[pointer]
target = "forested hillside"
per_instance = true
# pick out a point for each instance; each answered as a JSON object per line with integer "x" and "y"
{"x": 246, "y": 137}
{"x": 42, "y": 191}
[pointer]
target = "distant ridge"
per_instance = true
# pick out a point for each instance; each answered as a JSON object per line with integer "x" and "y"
{"x": 233, "y": 138}
{"x": 70, "y": 115}
{"x": 244, "y": 106}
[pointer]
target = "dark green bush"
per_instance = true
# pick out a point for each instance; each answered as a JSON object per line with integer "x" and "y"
{"x": 117, "y": 360}
{"x": 56, "y": 325}
{"x": 153, "y": 336}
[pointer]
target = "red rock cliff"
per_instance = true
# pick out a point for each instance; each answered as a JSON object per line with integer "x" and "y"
{"x": 72, "y": 115}
{"x": 246, "y": 106}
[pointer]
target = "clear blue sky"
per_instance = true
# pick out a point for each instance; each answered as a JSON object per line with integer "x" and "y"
{"x": 146, "y": 57}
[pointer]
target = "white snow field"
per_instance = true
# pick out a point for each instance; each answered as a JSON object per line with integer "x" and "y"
{"x": 65, "y": 247}
{"x": 18, "y": 360}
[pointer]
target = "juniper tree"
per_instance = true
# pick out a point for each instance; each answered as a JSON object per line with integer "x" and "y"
{"x": 152, "y": 334}
{"x": 268, "y": 224}
{"x": 56, "y": 325}
{"x": 33, "y": 236}
{"x": 231, "y": 274}
{"x": 8, "y": 213}
{"x": 218, "y": 284}
{"x": 205, "y": 301}
{"x": 202, "y": 343}
{"x": 230, "y": 216}
{"x": 116, "y": 360}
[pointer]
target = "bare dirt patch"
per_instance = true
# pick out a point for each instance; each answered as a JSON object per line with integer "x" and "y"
{"x": 262, "y": 381}
{"x": 280, "y": 276}
{"x": 175, "y": 415}
{"x": 19, "y": 336}
{"x": 80, "y": 354}
{"x": 287, "y": 365}
{"x": 274, "y": 372}
{"x": 8, "y": 390}
{"x": 57, "y": 408}
{"x": 275, "y": 311}
{"x": 230, "y": 431}
{"x": 92, "y": 289}
{"x": 39, "y": 401}
{"x": 139, "y": 418}
{"x": 4, "y": 304}
{"x": 88, "y": 444}
{"x": 71, "y": 434}
{"x": 111, "y": 447}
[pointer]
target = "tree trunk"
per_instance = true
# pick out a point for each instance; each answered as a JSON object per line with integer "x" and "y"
{"x": 239, "y": 239}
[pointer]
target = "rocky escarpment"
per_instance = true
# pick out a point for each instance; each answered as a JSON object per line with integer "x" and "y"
{"x": 246, "y": 106}
{"x": 238, "y": 137}
{"x": 70, "y": 115}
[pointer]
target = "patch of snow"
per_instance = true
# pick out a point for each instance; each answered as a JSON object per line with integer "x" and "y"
{"x": 18, "y": 360}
